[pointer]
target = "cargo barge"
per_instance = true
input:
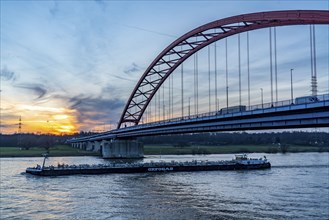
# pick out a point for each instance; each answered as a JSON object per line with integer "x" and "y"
{"x": 241, "y": 162}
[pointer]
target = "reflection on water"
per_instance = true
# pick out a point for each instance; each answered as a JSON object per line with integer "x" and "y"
{"x": 296, "y": 187}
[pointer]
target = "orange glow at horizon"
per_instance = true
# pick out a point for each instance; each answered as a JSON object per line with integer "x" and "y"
{"x": 41, "y": 120}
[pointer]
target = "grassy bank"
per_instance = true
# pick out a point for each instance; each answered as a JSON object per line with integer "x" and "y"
{"x": 65, "y": 150}
{"x": 227, "y": 149}
{"x": 56, "y": 151}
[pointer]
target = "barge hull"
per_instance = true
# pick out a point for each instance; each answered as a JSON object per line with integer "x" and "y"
{"x": 93, "y": 171}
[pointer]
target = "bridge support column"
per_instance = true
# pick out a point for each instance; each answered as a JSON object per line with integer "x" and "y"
{"x": 90, "y": 146}
{"x": 78, "y": 145}
{"x": 122, "y": 149}
{"x": 97, "y": 146}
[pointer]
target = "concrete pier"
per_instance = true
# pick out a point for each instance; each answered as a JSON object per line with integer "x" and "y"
{"x": 122, "y": 149}
{"x": 80, "y": 145}
{"x": 97, "y": 146}
{"x": 90, "y": 146}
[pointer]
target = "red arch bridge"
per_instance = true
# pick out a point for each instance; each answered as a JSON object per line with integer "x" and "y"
{"x": 308, "y": 111}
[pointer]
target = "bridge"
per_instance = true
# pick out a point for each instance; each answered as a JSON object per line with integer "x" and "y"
{"x": 145, "y": 113}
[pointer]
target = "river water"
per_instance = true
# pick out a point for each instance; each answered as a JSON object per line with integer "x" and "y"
{"x": 296, "y": 187}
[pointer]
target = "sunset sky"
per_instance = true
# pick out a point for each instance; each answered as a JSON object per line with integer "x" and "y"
{"x": 68, "y": 66}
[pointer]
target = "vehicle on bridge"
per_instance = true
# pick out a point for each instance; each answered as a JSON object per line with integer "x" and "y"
{"x": 233, "y": 109}
{"x": 306, "y": 99}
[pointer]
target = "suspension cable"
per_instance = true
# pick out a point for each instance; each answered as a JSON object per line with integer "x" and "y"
{"x": 163, "y": 103}
{"x": 226, "y": 72}
{"x": 271, "y": 65}
{"x": 209, "y": 78}
{"x": 275, "y": 67}
{"x": 239, "y": 59}
{"x": 197, "y": 84}
{"x": 314, "y": 62}
{"x": 248, "y": 68}
{"x": 216, "y": 95}
{"x": 182, "y": 88}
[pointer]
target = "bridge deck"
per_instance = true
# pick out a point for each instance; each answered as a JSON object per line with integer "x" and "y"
{"x": 282, "y": 117}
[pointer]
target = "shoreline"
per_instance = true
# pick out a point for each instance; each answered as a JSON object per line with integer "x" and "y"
{"x": 56, "y": 151}
{"x": 68, "y": 151}
{"x": 21, "y": 156}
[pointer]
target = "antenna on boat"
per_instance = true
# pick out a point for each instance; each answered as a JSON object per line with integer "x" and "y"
{"x": 44, "y": 160}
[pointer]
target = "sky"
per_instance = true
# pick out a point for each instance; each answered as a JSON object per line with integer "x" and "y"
{"x": 68, "y": 66}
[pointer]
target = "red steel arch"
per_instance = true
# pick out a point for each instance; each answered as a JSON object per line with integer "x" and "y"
{"x": 185, "y": 46}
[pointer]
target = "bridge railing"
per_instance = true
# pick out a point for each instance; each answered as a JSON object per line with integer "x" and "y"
{"x": 262, "y": 106}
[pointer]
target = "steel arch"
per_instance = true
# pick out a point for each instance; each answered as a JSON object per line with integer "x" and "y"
{"x": 185, "y": 46}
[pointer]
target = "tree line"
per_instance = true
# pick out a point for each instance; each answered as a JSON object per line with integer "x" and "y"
{"x": 242, "y": 138}
{"x": 27, "y": 141}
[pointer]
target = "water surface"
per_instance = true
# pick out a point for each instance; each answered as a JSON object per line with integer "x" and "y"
{"x": 296, "y": 187}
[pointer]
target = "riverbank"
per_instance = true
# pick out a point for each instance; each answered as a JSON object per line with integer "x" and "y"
{"x": 229, "y": 149}
{"x": 66, "y": 150}
{"x": 56, "y": 151}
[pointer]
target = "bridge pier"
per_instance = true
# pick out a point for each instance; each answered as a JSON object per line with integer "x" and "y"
{"x": 122, "y": 149}
{"x": 97, "y": 146}
{"x": 83, "y": 145}
{"x": 90, "y": 146}
{"x": 78, "y": 145}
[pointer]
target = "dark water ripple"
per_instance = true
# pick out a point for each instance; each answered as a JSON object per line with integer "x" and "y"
{"x": 296, "y": 187}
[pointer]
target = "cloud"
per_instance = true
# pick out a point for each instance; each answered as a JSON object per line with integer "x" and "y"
{"x": 7, "y": 75}
{"x": 132, "y": 69}
{"x": 96, "y": 110}
{"x": 74, "y": 101}
{"x": 38, "y": 89}
{"x": 54, "y": 9}
{"x": 101, "y": 3}
{"x": 6, "y": 126}
{"x": 110, "y": 91}
{"x": 123, "y": 78}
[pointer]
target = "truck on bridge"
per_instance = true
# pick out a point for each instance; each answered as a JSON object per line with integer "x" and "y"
{"x": 306, "y": 99}
{"x": 233, "y": 109}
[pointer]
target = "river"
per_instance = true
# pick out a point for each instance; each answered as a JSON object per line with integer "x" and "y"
{"x": 296, "y": 187}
